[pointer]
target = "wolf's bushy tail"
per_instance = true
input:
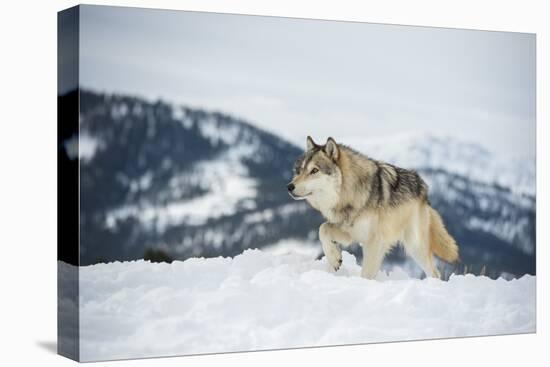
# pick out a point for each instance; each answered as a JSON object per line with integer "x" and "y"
{"x": 441, "y": 242}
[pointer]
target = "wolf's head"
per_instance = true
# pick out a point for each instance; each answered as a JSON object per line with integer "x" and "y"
{"x": 317, "y": 175}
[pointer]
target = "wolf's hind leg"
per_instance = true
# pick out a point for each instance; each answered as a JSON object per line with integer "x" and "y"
{"x": 330, "y": 237}
{"x": 425, "y": 260}
{"x": 416, "y": 244}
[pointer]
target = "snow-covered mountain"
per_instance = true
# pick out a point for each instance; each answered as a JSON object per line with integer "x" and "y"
{"x": 197, "y": 183}
{"x": 182, "y": 180}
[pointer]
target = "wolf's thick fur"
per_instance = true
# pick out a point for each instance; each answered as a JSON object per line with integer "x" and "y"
{"x": 373, "y": 203}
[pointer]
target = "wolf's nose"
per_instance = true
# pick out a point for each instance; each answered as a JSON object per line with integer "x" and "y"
{"x": 290, "y": 187}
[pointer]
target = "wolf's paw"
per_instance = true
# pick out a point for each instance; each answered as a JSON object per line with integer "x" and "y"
{"x": 335, "y": 260}
{"x": 333, "y": 253}
{"x": 338, "y": 265}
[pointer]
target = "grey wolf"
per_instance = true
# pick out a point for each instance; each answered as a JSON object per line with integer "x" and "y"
{"x": 369, "y": 202}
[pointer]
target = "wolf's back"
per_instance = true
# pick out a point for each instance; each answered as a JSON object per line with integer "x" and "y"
{"x": 441, "y": 242}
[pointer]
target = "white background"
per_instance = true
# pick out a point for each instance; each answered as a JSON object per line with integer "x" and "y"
{"x": 28, "y": 182}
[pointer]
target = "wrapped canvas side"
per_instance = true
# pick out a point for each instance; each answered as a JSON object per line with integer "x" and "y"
{"x": 68, "y": 183}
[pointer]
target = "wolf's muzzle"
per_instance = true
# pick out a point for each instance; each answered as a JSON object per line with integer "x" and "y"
{"x": 290, "y": 187}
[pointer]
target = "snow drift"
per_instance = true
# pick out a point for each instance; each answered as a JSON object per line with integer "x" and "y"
{"x": 261, "y": 300}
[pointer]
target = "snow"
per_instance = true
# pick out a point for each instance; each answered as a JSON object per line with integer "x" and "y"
{"x": 505, "y": 230}
{"x": 225, "y": 179}
{"x": 87, "y": 146}
{"x": 83, "y": 146}
{"x": 179, "y": 114}
{"x": 228, "y": 186}
{"x": 282, "y": 299}
{"x": 118, "y": 111}
{"x": 212, "y": 130}
{"x": 266, "y": 215}
{"x": 294, "y": 246}
{"x": 222, "y": 200}
{"x": 141, "y": 184}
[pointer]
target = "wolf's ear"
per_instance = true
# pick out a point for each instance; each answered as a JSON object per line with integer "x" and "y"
{"x": 331, "y": 149}
{"x": 310, "y": 144}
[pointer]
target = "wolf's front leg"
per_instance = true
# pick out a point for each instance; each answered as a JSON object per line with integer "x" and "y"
{"x": 373, "y": 255}
{"x": 330, "y": 237}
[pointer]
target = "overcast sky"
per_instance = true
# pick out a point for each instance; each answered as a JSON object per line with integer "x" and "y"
{"x": 297, "y": 77}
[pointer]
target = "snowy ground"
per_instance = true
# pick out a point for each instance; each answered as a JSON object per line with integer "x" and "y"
{"x": 261, "y": 300}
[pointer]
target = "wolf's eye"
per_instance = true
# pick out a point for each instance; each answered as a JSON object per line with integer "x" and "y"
{"x": 314, "y": 171}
